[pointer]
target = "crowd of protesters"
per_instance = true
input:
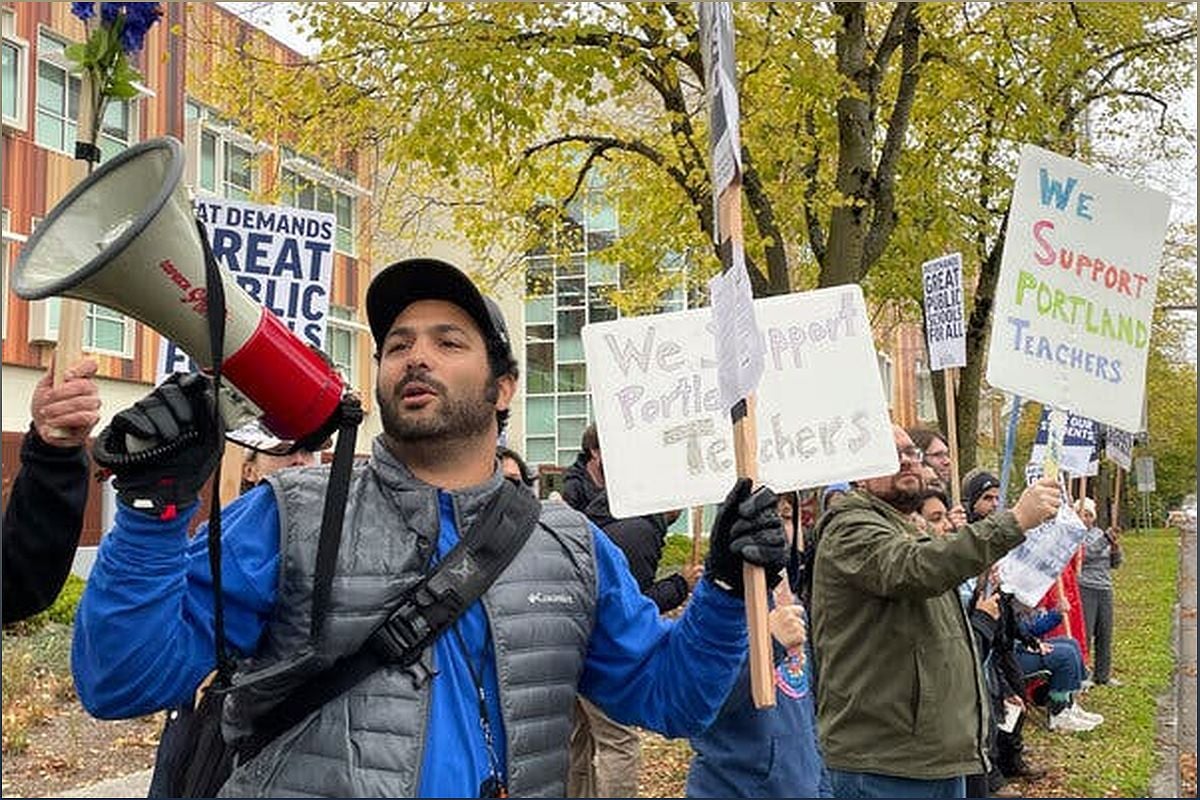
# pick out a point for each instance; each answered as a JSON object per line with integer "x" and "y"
{"x": 902, "y": 666}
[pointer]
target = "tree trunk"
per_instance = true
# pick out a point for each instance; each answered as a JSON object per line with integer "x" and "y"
{"x": 848, "y": 220}
{"x": 971, "y": 376}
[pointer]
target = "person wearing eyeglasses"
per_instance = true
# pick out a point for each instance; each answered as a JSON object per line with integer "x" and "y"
{"x": 899, "y": 697}
{"x": 937, "y": 453}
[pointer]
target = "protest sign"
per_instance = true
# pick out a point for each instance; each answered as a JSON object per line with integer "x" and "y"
{"x": 1030, "y": 569}
{"x": 945, "y": 331}
{"x": 720, "y": 82}
{"x": 1118, "y": 446}
{"x": 1144, "y": 470}
{"x": 1080, "y": 452}
{"x": 282, "y": 257}
{"x": 666, "y": 437}
{"x": 1075, "y": 296}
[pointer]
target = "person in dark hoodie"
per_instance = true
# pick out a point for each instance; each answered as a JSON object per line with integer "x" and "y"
{"x": 994, "y": 626}
{"x": 584, "y": 479}
{"x": 44, "y": 515}
{"x": 768, "y": 752}
{"x": 641, "y": 539}
{"x": 606, "y": 755}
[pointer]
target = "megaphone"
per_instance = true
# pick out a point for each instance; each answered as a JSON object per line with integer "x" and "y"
{"x": 127, "y": 238}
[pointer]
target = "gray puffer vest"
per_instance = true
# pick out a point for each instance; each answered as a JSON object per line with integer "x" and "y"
{"x": 370, "y": 741}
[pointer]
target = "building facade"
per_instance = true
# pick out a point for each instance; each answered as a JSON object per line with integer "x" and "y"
{"x": 40, "y": 104}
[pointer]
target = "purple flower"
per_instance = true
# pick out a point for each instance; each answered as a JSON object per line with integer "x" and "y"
{"x": 139, "y": 18}
{"x": 109, "y": 12}
{"x": 84, "y": 11}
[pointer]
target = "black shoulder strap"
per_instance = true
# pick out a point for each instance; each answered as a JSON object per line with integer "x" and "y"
{"x": 427, "y": 609}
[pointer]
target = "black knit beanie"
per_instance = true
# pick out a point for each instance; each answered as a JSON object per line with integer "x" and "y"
{"x": 976, "y": 485}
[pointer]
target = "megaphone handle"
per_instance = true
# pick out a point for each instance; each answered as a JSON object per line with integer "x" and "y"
{"x": 69, "y": 348}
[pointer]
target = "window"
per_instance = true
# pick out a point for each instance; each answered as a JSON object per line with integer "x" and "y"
{"x": 345, "y": 223}
{"x": 8, "y": 236}
{"x": 107, "y": 331}
{"x": 539, "y": 367}
{"x": 539, "y": 416}
{"x": 885, "y": 375}
{"x": 15, "y": 60}
{"x": 340, "y": 340}
{"x": 239, "y": 172}
{"x": 300, "y": 191}
{"x": 58, "y": 106}
{"x": 926, "y": 408}
{"x": 222, "y": 160}
{"x": 208, "y": 161}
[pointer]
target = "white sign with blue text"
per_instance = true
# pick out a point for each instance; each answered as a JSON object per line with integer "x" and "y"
{"x": 1075, "y": 297}
{"x": 282, "y": 257}
{"x": 667, "y": 437}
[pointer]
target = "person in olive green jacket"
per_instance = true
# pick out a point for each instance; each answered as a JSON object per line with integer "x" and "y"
{"x": 900, "y": 699}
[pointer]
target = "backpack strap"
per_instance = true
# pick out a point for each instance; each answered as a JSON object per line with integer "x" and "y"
{"x": 427, "y": 609}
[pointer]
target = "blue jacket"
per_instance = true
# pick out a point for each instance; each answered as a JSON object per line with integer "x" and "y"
{"x": 144, "y": 636}
{"x": 770, "y": 752}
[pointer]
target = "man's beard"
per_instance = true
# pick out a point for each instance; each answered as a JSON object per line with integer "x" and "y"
{"x": 904, "y": 500}
{"x": 460, "y": 417}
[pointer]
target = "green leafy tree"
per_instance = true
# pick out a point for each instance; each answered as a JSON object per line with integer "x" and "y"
{"x": 875, "y": 136}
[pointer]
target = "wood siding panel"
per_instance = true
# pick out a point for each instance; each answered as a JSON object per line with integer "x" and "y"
{"x": 34, "y": 178}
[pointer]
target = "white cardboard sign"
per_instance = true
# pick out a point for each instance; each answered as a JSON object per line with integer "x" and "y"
{"x": 945, "y": 328}
{"x": 1075, "y": 297}
{"x": 666, "y": 437}
{"x": 281, "y": 256}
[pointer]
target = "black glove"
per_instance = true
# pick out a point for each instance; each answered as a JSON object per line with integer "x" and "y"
{"x": 176, "y": 423}
{"x": 747, "y": 529}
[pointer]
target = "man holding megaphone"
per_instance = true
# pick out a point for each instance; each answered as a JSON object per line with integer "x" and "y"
{"x": 445, "y": 640}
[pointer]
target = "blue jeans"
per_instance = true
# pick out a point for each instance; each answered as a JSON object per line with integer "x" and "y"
{"x": 1065, "y": 663}
{"x": 869, "y": 784}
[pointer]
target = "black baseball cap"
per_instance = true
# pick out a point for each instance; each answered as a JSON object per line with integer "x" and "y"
{"x": 405, "y": 282}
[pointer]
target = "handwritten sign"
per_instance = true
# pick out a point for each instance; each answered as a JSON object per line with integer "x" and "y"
{"x": 282, "y": 257}
{"x": 1031, "y": 568}
{"x": 1075, "y": 297}
{"x": 668, "y": 440}
{"x": 945, "y": 329}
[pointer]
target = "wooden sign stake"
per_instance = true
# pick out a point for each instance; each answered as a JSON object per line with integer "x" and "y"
{"x": 952, "y": 432}
{"x": 745, "y": 448}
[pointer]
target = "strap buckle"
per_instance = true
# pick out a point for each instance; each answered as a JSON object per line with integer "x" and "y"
{"x": 406, "y": 633}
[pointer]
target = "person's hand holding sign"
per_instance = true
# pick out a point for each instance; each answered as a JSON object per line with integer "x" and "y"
{"x": 1039, "y": 503}
{"x": 787, "y": 619}
{"x": 747, "y": 529}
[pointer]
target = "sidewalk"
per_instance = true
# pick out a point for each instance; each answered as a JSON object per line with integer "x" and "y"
{"x": 135, "y": 785}
{"x": 1177, "y": 710}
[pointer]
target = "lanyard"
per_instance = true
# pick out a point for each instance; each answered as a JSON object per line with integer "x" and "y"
{"x": 494, "y": 785}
